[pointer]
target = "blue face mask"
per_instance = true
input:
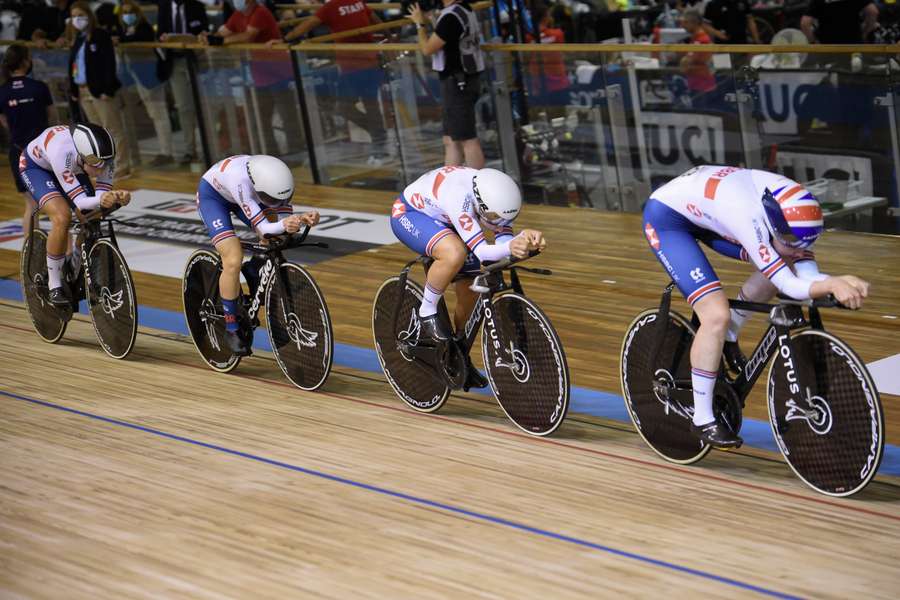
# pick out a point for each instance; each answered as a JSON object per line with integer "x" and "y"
{"x": 130, "y": 19}
{"x": 239, "y": 5}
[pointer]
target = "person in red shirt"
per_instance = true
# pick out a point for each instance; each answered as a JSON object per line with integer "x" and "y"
{"x": 695, "y": 65}
{"x": 549, "y": 83}
{"x": 271, "y": 71}
{"x": 361, "y": 75}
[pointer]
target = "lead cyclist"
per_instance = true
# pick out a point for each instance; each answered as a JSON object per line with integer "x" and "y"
{"x": 750, "y": 215}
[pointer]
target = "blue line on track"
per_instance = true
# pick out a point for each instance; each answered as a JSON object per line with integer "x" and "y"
{"x": 756, "y": 434}
{"x": 414, "y": 499}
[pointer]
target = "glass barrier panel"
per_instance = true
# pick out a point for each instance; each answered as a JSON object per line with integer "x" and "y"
{"x": 830, "y": 121}
{"x": 250, "y": 106}
{"x": 51, "y": 67}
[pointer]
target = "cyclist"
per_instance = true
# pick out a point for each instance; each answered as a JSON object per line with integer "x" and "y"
{"x": 443, "y": 214}
{"x": 258, "y": 190}
{"x": 57, "y": 167}
{"x": 749, "y": 215}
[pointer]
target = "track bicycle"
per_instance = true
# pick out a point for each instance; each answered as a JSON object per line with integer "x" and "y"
{"x": 297, "y": 317}
{"x": 98, "y": 273}
{"x": 524, "y": 359}
{"x": 824, "y": 409}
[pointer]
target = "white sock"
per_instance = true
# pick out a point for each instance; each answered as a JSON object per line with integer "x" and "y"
{"x": 54, "y": 269}
{"x": 703, "y": 382}
{"x": 430, "y": 300}
{"x": 738, "y": 317}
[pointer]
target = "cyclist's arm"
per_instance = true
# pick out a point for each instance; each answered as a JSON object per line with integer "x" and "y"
{"x": 726, "y": 248}
{"x": 769, "y": 262}
{"x": 470, "y": 231}
{"x": 70, "y": 184}
{"x": 255, "y": 212}
{"x": 807, "y": 268}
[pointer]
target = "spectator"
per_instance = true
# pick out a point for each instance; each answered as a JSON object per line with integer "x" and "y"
{"x": 838, "y": 21}
{"x": 181, "y": 21}
{"x": 361, "y": 76}
{"x": 272, "y": 71}
{"x": 144, "y": 67}
{"x": 549, "y": 77}
{"x": 728, "y": 22}
{"x": 10, "y": 19}
{"x": 455, "y": 48}
{"x": 25, "y": 110}
{"x": 92, "y": 78}
{"x": 44, "y": 22}
{"x": 695, "y": 65}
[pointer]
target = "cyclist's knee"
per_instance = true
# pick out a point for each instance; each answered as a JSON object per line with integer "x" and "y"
{"x": 713, "y": 312}
{"x": 451, "y": 251}
{"x": 232, "y": 256}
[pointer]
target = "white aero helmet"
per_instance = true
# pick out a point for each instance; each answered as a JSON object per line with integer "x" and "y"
{"x": 271, "y": 178}
{"x": 497, "y": 197}
{"x": 93, "y": 143}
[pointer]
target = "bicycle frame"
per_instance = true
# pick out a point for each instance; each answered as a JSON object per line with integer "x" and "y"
{"x": 783, "y": 318}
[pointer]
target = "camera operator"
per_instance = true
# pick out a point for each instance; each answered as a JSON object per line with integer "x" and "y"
{"x": 455, "y": 48}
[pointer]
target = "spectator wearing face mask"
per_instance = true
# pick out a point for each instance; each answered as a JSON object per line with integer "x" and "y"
{"x": 271, "y": 70}
{"x": 144, "y": 66}
{"x": 181, "y": 21}
{"x": 25, "y": 110}
{"x": 92, "y": 78}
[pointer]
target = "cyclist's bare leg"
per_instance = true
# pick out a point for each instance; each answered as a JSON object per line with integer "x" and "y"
{"x": 29, "y": 209}
{"x": 465, "y": 302}
{"x": 60, "y": 218}
{"x": 449, "y": 255}
{"x": 232, "y": 255}
{"x": 706, "y": 351}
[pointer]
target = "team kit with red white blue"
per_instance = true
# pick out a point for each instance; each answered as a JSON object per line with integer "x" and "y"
{"x": 461, "y": 218}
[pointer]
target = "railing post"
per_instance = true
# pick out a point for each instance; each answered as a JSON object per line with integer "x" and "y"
{"x": 310, "y": 116}
{"x": 198, "y": 108}
{"x": 891, "y": 102}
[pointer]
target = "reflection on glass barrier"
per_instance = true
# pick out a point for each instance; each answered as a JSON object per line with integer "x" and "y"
{"x": 590, "y": 129}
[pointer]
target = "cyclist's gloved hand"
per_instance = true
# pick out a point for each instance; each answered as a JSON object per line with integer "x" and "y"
{"x": 310, "y": 218}
{"x": 108, "y": 199}
{"x": 527, "y": 241}
{"x": 849, "y": 290}
{"x": 292, "y": 223}
{"x": 123, "y": 197}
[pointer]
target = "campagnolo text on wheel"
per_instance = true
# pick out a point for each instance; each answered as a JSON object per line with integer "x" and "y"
{"x": 58, "y": 267}
{"x": 443, "y": 216}
{"x": 220, "y": 317}
{"x": 685, "y": 381}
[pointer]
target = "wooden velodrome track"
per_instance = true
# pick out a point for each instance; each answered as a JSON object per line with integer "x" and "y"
{"x": 155, "y": 477}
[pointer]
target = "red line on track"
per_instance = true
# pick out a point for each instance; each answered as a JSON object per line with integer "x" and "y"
{"x": 552, "y": 442}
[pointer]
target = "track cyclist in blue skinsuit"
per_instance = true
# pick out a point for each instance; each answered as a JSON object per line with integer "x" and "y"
{"x": 444, "y": 214}
{"x": 750, "y": 215}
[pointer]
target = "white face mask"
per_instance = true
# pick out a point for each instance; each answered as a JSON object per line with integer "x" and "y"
{"x": 50, "y": 3}
{"x": 80, "y": 23}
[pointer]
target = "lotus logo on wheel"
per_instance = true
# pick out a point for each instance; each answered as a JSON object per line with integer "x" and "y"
{"x": 301, "y": 337}
{"x": 111, "y": 302}
{"x": 816, "y": 413}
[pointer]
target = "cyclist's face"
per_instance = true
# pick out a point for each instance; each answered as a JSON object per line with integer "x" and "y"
{"x": 786, "y": 251}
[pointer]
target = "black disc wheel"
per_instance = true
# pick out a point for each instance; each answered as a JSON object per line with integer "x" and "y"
{"x": 415, "y": 383}
{"x": 830, "y": 430}
{"x": 299, "y": 327}
{"x": 111, "y": 299}
{"x": 49, "y": 322}
{"x": 203, "y": 310}
{"x": 661, "y": 414}
{"x": 525, "y": 363}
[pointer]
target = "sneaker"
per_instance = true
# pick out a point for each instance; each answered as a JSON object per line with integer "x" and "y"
{"x": 474, "y": 378}
{"x": 432, "y": 332}
{"x": 717, "y": 435}
{"x": 59, "y": 297}
{"x": 237, "y": 343}
{"x": 377, "y": 159}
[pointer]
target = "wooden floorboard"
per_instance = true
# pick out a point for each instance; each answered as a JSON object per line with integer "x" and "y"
{"x": 92, "y": 508}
